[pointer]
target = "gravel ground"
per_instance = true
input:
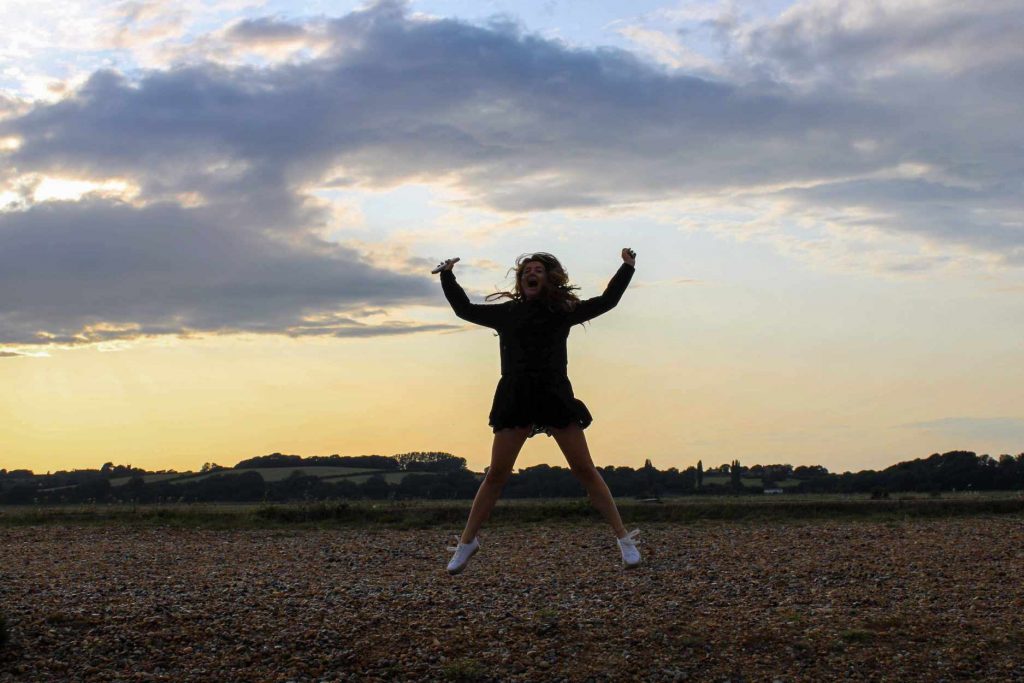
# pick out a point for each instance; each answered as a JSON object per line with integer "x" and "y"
{"x": 904, "y": 601}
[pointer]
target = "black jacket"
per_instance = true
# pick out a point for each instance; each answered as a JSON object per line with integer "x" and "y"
{"x": 533, "y": 337}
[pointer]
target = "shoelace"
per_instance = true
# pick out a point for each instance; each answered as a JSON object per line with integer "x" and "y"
{"x": 631, "y": 537}
{"x": 453, "y": 548}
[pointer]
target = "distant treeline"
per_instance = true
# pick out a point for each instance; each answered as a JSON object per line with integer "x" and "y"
{"x": 437, "y": 475}
{"x": 409, "y": 462}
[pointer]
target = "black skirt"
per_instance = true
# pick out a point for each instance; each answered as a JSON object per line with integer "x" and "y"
{"x": 541, "y": 400}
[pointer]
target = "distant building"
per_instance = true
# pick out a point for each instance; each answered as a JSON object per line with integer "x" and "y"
{"x": 773, "y": 491}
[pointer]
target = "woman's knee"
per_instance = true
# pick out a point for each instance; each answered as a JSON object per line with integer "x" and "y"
{"x": 497, "y": 477}
{"x": 586, "y": 474}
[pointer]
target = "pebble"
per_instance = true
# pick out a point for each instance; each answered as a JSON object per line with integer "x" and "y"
{"x": 820, "y": 601}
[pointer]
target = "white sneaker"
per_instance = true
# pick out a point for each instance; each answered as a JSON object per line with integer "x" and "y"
{"x": 463, "y": 552}
{"x": 630, "y": 555}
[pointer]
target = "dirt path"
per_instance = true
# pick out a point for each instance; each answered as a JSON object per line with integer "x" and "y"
{"x": 917, "y": 600}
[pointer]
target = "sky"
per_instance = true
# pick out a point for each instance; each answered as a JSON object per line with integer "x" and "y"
{"x": 217, "y": 222}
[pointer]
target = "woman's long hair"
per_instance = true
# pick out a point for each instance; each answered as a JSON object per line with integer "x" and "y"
{"x": 558, "y": 294}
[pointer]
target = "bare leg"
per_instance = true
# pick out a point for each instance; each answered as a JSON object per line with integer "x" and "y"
{"x": 504, "y": 451}
{"x": 574, "y": 447}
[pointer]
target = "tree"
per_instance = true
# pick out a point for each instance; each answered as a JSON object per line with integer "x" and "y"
{"x": 700, "y": 475}
{"x": 244, "y": 486}
{"x": 97, "y": 490}
{"x": 272, "y": 460}
{"x": 430, "y": 462}
{"x": 19, "y": 494}
{"x": 650, "y": 478}
{"x": 375, "y": 487}
{"x": 734, "y": 476}
{"x": 134, "y": 490}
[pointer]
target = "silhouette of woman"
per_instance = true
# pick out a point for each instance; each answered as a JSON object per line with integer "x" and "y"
{"x": 534, "y": 394}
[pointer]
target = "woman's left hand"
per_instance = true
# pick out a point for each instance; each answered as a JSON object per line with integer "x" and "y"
{"x": 629, "y": 256}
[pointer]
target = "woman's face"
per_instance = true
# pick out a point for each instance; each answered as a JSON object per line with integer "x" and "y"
{"x": 532, "y": 279}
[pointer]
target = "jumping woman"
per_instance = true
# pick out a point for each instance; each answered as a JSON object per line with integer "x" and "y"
{"x": 534, "y": 394}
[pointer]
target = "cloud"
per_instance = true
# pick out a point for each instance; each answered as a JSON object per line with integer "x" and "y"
{"x": 519, "y": 122}
{"x": 937, "y": 75}
{"x": 100, "y": 270}
{"x": 668, "y": 50}
{"x": 223, "y": 231}
{"x": 263, "y": 40}
{"x": 266, "y": 30}
{"x": 947, "y": 214}
{"x": 830, "y": 41}
{"x": 342, "y": 327}
{"x": 140, "y": 23}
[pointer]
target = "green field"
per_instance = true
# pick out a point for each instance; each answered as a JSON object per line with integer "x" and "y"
{"x": 724, "y": 480}
{"x": 282, "y": 473}
{"x": 150, "y": 478}
{"x": 357, "y": 474}
{"x": 361, "y": 474}
{"x": 426, "y": 513}
{"x": 389, "y": 477}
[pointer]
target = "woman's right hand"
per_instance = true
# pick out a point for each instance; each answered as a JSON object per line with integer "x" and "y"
{"x": 446, "y": 265}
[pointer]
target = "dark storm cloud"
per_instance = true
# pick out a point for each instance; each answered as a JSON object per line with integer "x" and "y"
{"x": 845, "y": 43}
{"x": 519, "y": 122}
{"x": 529, "y": 124}
{"x": 940, "y": 212}
{"x": 947, "y": 75}
{"x": 265, "y": 30}
{"x": 72, "y": 269}
{"x": 10, "y": 105}
{"x": 523, "y": 122}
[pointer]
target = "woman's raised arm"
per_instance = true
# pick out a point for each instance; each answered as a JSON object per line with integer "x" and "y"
{"x": 591, "y": 308}
{"x": 479, "y": 314}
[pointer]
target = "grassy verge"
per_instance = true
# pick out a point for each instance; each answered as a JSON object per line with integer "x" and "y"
{"x": 420, "y": 514}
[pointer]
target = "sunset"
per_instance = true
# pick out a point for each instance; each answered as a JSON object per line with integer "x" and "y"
{"x": 219, "y": 219}
{"x": 494, "y": 341}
